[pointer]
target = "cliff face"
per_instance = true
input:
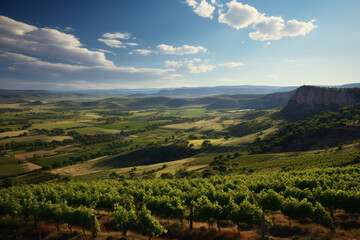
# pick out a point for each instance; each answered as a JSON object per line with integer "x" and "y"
{"x": 315, "y": 96}
{"x": 309, "y": 100}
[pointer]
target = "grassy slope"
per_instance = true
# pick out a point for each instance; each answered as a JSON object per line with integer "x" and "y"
{"x": 258, "y": 162}
{"x": 300, "y": 160}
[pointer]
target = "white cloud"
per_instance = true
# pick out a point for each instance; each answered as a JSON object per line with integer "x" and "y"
{"x": 189, "y": 66}
{"x": 214, "y": 2}
{"x": 164, "y": 49}
{"x": 15, "y": 57}
{"x": 27, "y": 49}
{"x": 197, "y": 60}
{"x": 144, "y": 52}
{"x": 111, "y": 40}
{"x": 275, "y": 28}
{"x": 46, "y": 42}
{"x": 132, "y": 44}
{"x": 22, "y": 63}
{"x": 112, "y": 43}
{"x": 203, "y": 9}
{"x": 239, "y": 15}
{"x": 103, "y": 50}
{"x": 68, "y": 29}
{"x": 191, "y": 3}
{"x": 185, "y": 49}
{"x": 296, "y": 28}
{"x": 117, "y": 35}
{"x": 232, "y": 64}
{"x": 175, "y": 64}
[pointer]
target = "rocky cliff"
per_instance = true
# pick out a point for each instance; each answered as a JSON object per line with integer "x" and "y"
{"x": 309, "y": 100}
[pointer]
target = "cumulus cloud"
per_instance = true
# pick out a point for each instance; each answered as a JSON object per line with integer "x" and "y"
{"x": 203, "y": 9}
{"x": 189, "y": 66}
{"x": 185, "y": 49}
{"x": 275, "y": 28}
{"x": 46, "y": 42}
{"x": 25, "y": 51}
{"x": 266, "y": 28}
{"x": 232, "y": 64}
{"x": 239, "y": 15}
{"x": 191, "y": 3}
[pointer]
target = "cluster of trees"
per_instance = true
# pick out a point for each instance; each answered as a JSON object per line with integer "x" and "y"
{"x": 53, "y": 132}
{"x": 221, "y": 165}
{"x": 7, "y": 129}
{"x": 120, "y": 143}
{"x": 92, "y": 139}
{"x": 6, "y": 110}
{"x": 22, "y": 123}
{"x": 313, "y": 194}
{"x": 36, "y": 145}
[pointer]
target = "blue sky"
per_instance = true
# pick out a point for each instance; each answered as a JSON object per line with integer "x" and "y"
{"x": 176, "y": 43}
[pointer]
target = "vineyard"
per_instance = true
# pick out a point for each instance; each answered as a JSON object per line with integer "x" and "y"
{"x": 138, "y": 205}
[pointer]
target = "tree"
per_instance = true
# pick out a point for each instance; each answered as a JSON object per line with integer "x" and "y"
{"x": 148, "y": 225}
{"x": 207, "y": 211}
{"x": 82, "y": 216}
{"x": 125, "y": 220}
{"x": 321, "y": 216}
{"x": 270, "y": 200}
{"x": 206, "y": 144}
{"x": 295, "y": 209}
{"x": 243, "y": 213}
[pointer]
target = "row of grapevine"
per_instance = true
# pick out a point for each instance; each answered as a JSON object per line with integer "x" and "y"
{"x": 311, "y": 194}
{"x": 47, "y": 211}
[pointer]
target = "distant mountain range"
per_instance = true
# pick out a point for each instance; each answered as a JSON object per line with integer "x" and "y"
{"x": 186, "y": 92}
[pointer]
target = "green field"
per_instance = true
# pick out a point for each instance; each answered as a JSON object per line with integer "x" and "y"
{"x": 49, "y": 125}
{"x": 34, "y": 138}
{"x": 125, "y": 125}
{"x": 11, "y": 166}
{"x": 49, "y": 161}
{"x": 95, "y": 130}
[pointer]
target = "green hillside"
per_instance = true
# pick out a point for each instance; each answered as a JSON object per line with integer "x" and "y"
{"x": 318, "y": 131}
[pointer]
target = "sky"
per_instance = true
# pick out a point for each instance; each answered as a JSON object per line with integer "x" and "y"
{"x": 114, "y": 44}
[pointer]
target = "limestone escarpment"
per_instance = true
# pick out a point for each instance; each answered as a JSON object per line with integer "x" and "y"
{"x": 313, "y": 96}
{"x": 309, "y": 100}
